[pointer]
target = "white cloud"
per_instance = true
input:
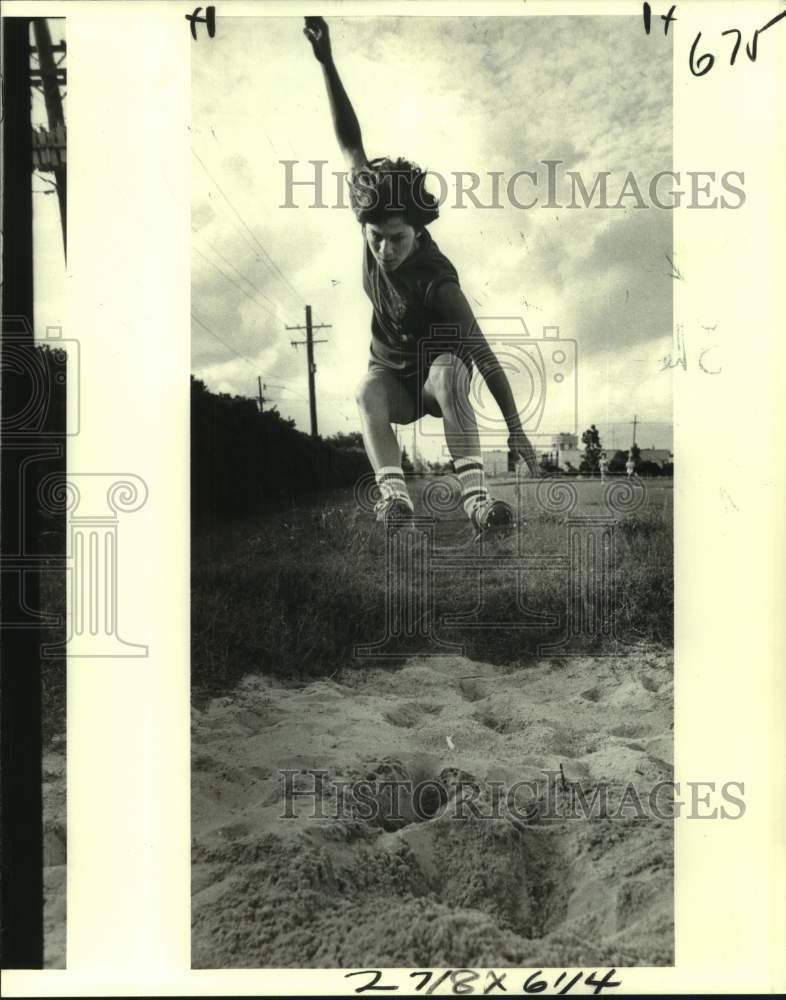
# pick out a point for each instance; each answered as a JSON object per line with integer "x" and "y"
{"x": 474, "y": 94}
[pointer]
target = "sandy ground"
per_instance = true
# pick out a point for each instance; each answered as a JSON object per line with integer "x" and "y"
{"x": 439, "y": 886}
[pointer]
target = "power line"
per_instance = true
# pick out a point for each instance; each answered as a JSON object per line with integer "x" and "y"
{"x": 242, "y": 357}
{"x": 243, "y": 276}
{"x": 286, "y": 388}
{"x": 233, "y": 282}
{"x": 248, "y": 229}
{"x": 243, "y": 235}
{"x": 228, "y": 346}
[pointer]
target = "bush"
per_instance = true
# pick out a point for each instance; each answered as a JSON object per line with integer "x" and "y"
{"x": 244, "y": 461}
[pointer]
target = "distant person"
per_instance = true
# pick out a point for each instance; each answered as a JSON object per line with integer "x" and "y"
{"x": 412, "y": 285}
{"x": 630, "y": 465}
{"x": 603, "y": 465}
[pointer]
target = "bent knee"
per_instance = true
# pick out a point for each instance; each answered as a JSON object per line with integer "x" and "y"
{"x": 448, "y": 378}
{"x": 371, "y": 394}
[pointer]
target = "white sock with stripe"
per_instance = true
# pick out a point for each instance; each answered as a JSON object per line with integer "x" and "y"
{"x": 472, "y": 478}
{"x": 390, "y": 479}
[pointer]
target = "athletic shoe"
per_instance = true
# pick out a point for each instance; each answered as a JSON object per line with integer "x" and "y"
{"x": 492, "y": 519}
{"x": 394, "y": 512}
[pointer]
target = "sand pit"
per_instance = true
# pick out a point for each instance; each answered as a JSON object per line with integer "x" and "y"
{"x": 435, "y": 882}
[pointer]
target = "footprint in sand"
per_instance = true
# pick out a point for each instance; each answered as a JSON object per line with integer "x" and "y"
{"x": 234, "y": 831}
{"x": 498, "y": 724}
{"x": 472, "y": 690}
{"x": 636, "y": 731}
{"x": 256, "y": 720}
{"x": 408, "y": 714}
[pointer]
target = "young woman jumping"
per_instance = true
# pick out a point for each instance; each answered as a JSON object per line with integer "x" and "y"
{"x": 414, "y": 290}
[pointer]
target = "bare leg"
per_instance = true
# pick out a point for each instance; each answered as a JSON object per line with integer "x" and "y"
{"x": 382, "y": 402}
{"x": 446, "y": 392}
{"x": 448, "y": 386}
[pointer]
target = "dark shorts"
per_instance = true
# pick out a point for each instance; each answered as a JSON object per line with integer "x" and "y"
{"x": 412, "y": 380}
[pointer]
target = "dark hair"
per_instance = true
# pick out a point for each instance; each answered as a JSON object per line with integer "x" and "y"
{"x": 385, "y": 188}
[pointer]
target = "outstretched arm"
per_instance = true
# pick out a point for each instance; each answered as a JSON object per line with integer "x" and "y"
{"x": 452, "y": 307}
{"x": 345, "y": 120}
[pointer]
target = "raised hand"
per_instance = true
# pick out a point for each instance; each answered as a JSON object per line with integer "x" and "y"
{"x": 317, "y": 32}
{"x": 519, "y": 444}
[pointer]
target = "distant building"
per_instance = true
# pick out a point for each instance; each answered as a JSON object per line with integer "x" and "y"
{"x": 565, "y": 442}
{"x": 496, "y": 462}
{"x": 569, "y": 459}
{"x": 660, "y": 456}
{"x": 565, "y": 454}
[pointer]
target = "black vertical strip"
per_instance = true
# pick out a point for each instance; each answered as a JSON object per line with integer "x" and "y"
{"x": 21, "y": 888}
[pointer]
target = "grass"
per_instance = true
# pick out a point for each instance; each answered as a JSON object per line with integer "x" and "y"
{"x": 52, "y": 602}
{"x": 291, "y": 594}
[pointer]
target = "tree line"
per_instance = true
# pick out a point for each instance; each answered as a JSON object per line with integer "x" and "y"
{"x": 245, "y": 460}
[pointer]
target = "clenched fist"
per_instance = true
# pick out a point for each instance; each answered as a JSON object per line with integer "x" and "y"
{"x": 316, "y": 31}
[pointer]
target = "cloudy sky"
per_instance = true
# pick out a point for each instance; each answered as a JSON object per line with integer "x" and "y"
{"x": 460, "y": 94}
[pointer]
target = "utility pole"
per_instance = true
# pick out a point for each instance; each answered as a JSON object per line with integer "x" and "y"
{"x": 50, "y": 83}
{"x": 259, "y": 384}
{"x": 309, "y": 342}
{"x": 635, "y": 422}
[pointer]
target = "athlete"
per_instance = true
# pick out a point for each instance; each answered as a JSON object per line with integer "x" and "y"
{"x": 413, "y": 288}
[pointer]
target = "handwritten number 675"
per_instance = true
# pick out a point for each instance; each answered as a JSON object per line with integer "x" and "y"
{"x": 701, "y": 64}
